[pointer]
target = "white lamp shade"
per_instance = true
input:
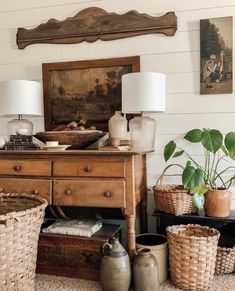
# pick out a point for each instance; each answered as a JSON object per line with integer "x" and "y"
{"x": 21, "y": 97}
{"x": 143, "y": 92}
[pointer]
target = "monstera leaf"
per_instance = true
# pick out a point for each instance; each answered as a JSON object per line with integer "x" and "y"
{"x": 178, "y": 154}
{"x": 192, "y": 177}
{"x": 194, "y": 135}
{"x": 169, "y": 150}
{"x": 212, "y": 140}
{"x": 198, "y": 200}
{"x": 229, "y": 142}
{"x": 201, "y": 189}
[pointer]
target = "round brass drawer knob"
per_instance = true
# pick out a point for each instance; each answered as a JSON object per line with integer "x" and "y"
{"x": 17, "y": 168}
{"x": 68, "y": 192}
{"x": 108, "y": 194}
{"x": 87, "y": 169}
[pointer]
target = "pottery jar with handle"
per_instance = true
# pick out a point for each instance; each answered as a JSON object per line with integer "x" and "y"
{"x": 115, "y": 269}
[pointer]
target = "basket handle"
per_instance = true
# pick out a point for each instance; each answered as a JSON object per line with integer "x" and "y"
{"x": 160, "y": 179}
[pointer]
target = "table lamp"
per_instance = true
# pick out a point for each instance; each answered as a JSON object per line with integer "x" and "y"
{"x": 20, "y": 97}
{"x": 143, "y": 92}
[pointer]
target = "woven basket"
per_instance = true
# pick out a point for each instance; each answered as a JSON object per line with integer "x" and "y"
{"x": 192, "y": 255}
{"x": 173, "y": 199}
{"x": 21, "y": 216}
{"x": 225, "y": 258}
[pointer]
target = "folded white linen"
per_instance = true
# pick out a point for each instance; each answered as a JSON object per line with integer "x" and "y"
{"x": 80, "y": 227}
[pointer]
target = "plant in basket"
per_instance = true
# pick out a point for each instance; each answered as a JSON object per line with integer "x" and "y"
{"x": 208, "y": 183}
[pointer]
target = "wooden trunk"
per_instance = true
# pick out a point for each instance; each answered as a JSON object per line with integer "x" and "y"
{"x": 73, "y": 256}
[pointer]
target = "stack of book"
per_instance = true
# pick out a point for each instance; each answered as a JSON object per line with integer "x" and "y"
{"x": 21, "y": 142}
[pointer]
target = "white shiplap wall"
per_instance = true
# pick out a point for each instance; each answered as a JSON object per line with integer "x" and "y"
{"x": 176, "y": 56}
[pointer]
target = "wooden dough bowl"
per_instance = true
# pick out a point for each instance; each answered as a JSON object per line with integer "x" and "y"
{"x": 77, "y": 139}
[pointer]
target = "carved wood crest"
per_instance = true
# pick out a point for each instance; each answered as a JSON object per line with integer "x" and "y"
{"x": 95, "y": 23}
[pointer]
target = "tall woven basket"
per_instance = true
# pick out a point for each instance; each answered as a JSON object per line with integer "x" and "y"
{"x": 21, "y": 216}
{"x": 192, "y": 255}
{"x": 172, "y": 199}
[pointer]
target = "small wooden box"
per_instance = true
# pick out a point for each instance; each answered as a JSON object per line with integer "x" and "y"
{"x": 73, "y": 256}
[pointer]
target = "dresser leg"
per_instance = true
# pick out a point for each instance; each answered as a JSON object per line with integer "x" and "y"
{"x": 130, "y": 219}
{"x": 143, "y": 215}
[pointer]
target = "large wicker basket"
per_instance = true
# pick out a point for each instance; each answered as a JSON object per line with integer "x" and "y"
{"x": 173, "y": 199}
{"x": 21, "y": 216}
{"x": 192, "y": 255}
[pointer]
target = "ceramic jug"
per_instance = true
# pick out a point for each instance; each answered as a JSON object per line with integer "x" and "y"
{"x": 117, "y": 126}
{"x": 115, "y": 269}
{"x": 145, "y": 271}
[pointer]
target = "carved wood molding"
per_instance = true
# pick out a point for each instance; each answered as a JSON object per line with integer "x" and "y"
{"x": 95, "y": 23}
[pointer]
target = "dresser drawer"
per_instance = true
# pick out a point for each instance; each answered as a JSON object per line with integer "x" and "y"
{"x": 89, "y": 168}
{"x": 43, "y": 188}
{"x": 92, "y": 192}
{"x": 25, "y": 167}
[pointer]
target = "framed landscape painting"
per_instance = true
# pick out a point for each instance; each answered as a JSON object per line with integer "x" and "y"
{"x": 89, "y": 90}
{"x": 216, "y": 41}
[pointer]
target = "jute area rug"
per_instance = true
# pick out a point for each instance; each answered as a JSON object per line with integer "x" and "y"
{"x": 54, "y": 283}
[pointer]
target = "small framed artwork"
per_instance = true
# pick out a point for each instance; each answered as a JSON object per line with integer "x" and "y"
{"x": 216, "y": 42}
{"x": 89, "y": 90}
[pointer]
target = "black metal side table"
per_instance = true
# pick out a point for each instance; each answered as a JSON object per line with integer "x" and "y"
{"x": 224, "y": 225}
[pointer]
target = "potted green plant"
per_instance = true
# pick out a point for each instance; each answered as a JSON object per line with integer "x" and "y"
{"x": 208, "y": 184}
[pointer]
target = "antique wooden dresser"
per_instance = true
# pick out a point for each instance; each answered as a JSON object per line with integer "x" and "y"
{"x": 88, "y": 178}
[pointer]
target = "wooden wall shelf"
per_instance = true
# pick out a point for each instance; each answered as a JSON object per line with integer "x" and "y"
{"x": 95, "y": 23}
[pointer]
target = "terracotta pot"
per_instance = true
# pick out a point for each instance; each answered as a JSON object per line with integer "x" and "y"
{"x": 218, "y": 203}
